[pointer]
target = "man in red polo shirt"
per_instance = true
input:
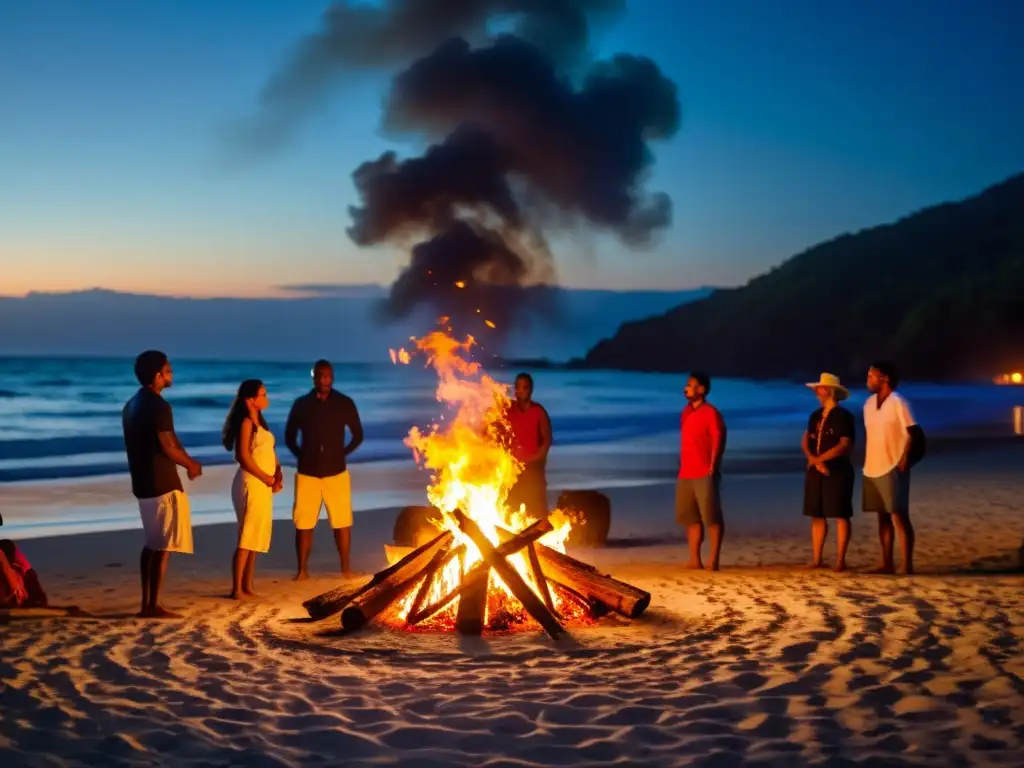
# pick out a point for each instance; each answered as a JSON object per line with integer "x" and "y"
{"x": 530, "y": 430}
{"x": 702, "y": 443}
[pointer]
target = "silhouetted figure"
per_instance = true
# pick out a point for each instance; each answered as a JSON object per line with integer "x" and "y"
{"x": 315, "y": 434}
{"x": 889, "y": 427}
{"x": 530, "y": 429}
{"x": 828, "y": 485}
{"x": 154, "y": 455}
{"x": 257, "y": 480}
{"x": 698, "y": 489}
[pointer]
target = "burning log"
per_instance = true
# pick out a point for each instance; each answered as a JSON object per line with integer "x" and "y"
{"x": 390, "y": 584}
{"x": 533, "y": 604}
{"x": 469, "y": 620}
{"x": 334, "y": 600}
{"x": 538, "y": 577}
{"x": 329, "y": 603}
{"x": 595, "y": 608}
{"x": 479, "y": 572}
{"x": 586, "y": 581}
{"x": 437, "y": 565}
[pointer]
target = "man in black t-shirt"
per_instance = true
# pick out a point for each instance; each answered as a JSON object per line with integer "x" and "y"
{"x": 315, "y": 434}
{"x": 154, "y": 455}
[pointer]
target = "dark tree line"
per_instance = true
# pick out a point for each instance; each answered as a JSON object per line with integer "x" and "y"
{"x": 940, "y": 291}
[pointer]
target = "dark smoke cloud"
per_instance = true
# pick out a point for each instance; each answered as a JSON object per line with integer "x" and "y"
{"x": 528, "y": 134}
{"x": 468, "y": 170}
{"x": 387, "y": 35}
{"x": 473, "y": 276}
{"x": 585, "y": 149}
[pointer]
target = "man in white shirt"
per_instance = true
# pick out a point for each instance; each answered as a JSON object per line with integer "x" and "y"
{"x": 888, "y": 425}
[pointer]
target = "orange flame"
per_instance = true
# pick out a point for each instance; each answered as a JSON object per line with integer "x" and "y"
{"x": 471, "y": 467}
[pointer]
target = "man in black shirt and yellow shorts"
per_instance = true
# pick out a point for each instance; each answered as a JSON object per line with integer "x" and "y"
{"x": 321, "y": 418}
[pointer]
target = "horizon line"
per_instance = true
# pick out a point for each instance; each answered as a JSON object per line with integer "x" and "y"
{"x": 324, "y": 291}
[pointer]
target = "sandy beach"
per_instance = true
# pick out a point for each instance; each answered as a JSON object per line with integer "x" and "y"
{"x": 760, "y": 664}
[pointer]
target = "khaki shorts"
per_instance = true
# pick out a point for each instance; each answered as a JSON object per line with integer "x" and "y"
{"x": 334, "y": 492}
{"x": 699, "y": 500}
{"x": 889, "y": 493}
{"x": 167, "y": 522}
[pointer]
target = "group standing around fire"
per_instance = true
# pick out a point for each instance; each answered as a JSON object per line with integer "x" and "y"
{"x": 315, "y": 434}
{"x": 319, "y": 421}
{"x": 894, "y": 442}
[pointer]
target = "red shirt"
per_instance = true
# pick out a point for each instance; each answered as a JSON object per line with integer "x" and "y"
{"x": 526, "y": 426}
{"x": 701, "y": 433}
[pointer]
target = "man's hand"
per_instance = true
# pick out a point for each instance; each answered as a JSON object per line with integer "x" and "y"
{"x": 904, "y": 464}
{"x": 195, "y": 470}
{"x": 278, "y": 486}
{"x": 20, "y": 594}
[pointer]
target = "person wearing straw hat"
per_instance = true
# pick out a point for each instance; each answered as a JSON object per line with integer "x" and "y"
{"x": 828, "y": 485}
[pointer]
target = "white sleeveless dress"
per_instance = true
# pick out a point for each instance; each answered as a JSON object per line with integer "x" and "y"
{"x": 253, "y": 500}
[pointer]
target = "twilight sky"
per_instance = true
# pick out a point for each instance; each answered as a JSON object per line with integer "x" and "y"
{"x": 802, "y": 119}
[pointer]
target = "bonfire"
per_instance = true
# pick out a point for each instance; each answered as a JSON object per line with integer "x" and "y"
{"x": 489, "y": 566}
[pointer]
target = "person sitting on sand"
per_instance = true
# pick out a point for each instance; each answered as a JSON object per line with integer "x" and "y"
{"x": 530, "y": 429}
{"x": 154, "y": 455}
{"x": 19, "y": 583}
{"x": 257, "y": 480}
{"x": 698, "y": 488}
{"x": 322, "y": 478}
{"x": 889, "y": 428}
{"x": 828, "y": 486}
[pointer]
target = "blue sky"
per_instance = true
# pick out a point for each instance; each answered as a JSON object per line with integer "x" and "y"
{"x": 802, "y": 119}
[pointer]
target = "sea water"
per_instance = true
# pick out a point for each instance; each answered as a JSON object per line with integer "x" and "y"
{"x": 61, "y": 418}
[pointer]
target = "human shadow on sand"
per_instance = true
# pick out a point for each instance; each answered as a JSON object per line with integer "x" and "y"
{"x": 8, "y": 615}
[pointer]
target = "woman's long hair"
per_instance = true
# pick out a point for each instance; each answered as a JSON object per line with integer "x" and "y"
{"x": 239, "y": 412}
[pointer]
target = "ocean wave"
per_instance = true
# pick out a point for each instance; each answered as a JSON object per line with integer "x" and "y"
{"x": 8, "y": 394}
{"x": 202, "y": 401}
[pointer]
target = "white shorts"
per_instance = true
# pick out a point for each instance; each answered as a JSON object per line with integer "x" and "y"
{"x": 334, "y": 492}
{"x": 167, "y": 522}
{"x": 254, "y": 508}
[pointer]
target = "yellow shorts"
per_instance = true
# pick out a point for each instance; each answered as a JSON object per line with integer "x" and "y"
{"x": 334, "y": 492}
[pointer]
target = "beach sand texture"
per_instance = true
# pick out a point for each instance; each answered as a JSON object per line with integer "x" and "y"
{"x": 760, "y": 664}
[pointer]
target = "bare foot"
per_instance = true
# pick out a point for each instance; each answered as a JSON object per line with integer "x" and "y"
{"x": 237, "y": 595}
{"x": 884, "y": 568}
{"x": 812, "y": 566}
{"x": 250, "y": 592}
{"x": 840, "y": 567}
{"x": 713, "y": 566}
{"x": 301, "y": 576}
{"x": 906, "y": 570}
{"x": 694, "y": 565}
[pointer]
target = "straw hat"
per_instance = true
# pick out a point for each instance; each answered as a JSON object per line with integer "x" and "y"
{"x": 831, "y": 381}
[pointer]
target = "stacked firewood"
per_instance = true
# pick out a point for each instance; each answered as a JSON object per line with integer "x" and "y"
{"x": 576, "y": 581}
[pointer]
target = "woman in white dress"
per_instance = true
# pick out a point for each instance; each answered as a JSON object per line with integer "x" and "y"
{"x": 257, "y": 480}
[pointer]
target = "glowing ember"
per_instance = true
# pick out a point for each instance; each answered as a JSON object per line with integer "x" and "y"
{"x": 472, "y": 470}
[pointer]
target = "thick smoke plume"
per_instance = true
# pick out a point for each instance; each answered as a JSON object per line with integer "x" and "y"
{"x": 528, "y": 133}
